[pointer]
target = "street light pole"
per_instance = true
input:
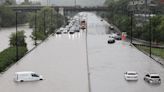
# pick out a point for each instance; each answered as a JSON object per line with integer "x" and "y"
{"x": 44, "y": 23}
{"x": 35, "y": 28}
{"x": 150, "y": 33}
{"x": 17, "y": 56}
{"x": 131, "y": 31}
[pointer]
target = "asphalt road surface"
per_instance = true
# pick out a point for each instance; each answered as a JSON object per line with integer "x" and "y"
{"x": 62, "y": 62}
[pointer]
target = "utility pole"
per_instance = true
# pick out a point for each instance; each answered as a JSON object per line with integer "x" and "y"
{"x": 44, "y": 23}
{"x": 35, "y": 28}
{"x": 17, "y": 56}
{"x": 150, "y": 34}
{"x": 131, "y": 31}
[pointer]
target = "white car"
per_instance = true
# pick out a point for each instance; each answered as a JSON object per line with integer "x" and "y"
{"x": 27, "y": 76}
{"x": 152, "y": 78}
{"x": 131, "y": 75}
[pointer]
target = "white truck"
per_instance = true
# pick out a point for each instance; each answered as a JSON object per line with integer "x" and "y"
{"x": 27, "y": 76}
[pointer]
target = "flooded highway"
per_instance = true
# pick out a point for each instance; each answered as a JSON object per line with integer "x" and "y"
{"x": 6, "y": 32}
{"x": 62, "y": 61}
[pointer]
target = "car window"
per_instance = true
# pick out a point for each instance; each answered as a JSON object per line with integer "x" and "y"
{"x": 34, "y": 75}
{"x": 147, "y": 75}
{"x": 154, "y": 76}
{"x": 131, "y": 73}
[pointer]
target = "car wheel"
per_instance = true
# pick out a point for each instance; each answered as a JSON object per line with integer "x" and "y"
{"x": 21, "y": 80}
{"x": 41, "y": 79}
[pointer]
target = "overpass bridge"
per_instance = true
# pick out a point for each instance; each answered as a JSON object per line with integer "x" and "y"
{"x": 29, "y": 8}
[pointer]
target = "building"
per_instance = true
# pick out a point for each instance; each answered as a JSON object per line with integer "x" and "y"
{"x": 142, "y": 6}
{"x": 142, "y": 10}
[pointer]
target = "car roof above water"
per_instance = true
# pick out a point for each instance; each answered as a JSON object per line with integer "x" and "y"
{"x": 24, "y": 72}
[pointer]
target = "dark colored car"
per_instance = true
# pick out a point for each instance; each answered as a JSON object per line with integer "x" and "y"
{"x": 111, "y": 40}
{"x": 117, "y": 37}
{"x": 71, "y": 32}
{"x": 59, "y": 32}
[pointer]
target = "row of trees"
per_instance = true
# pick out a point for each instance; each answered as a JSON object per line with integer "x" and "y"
{"x": 8, "y": 17}
{"x": 45, "y": 22}
{"x": 15, "y": 52}
{"x": 120, "y": 16}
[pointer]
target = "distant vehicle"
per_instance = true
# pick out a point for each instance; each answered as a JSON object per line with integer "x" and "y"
{"x": 118, "y": 37}
{"x": 111, "y": 27}
{"x": 27, "y": 76}
{"x": 111, "y": 40}
{"x": 83, "y": 24}
{"x": 65, "y": 31}
{"x": 58, "y": 32}
{"x": 77, "y": 29}
{"x": 152, "y": 78}
{"x": 131, "y": 75}
{"x": 72, "y": 32}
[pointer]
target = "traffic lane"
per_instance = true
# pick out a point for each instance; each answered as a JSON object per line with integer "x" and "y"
{"x": 108, "y": 62}
{"x": 95, "y": 25}
{"x": 61, "y": 61}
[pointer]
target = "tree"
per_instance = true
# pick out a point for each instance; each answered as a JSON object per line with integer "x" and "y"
{"x": 18, "y": 39}
{"x": 7, "y": 16}
{"x": 47, "y": 21}
{"x": 161, "y": 29}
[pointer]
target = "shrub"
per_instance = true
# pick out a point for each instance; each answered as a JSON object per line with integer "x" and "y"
{"x": 8, "y": 56}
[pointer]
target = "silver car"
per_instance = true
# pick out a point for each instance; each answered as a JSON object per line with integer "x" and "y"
{"x": 152, "y": 78}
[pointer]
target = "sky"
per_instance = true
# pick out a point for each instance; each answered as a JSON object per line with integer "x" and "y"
{"x": 72, "y": 2}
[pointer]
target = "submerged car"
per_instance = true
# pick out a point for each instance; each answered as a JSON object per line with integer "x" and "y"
{"x": 131, "y": 76}
{"x": 72, "y": 32}
{"x": 118, "y": 37}
{"x": 27, "y": 76}
{"x": 111, "y": 40}
{"x": 58, "y": 32}
{"x": 152, "y": 78}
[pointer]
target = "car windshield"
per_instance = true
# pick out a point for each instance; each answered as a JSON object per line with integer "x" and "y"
{"x": 35, "y": 75}
{"x": 154, "y": 76}
{"x": 131, "y": 73}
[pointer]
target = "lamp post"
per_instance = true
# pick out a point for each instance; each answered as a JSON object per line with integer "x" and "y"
{"x": 35, "y": 28}
{"x": 17, "y": 56}
{"x": 131, "y": 23}
{"x": 44, "y": 23}
{"x": 150, "y": 34}
{"x": 16, "y": 34}
{"x": 131, "y": 31}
